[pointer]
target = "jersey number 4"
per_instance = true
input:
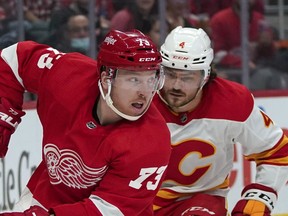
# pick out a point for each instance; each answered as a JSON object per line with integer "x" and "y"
{"x": 144, "y": 174}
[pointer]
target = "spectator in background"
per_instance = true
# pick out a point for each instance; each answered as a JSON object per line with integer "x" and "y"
{"x": 74, "y": 37}
{"x": 9, "y": 7}
{"x": 60, "y": 17}
{"x": 270, "y": 60}
{"x": 210, "y": 7}
{"x": 177, "y": 14}
{"x": 201, "y": 11}
{"x": 103, "y": 11}
{"x": 153, "y": 30}
{"x": 2, "y": 20}
{"x": 135, "y": 15}
{"x": 226, "y": 35}
{"x": 7, "y": 36}
{"x": 8, "y": 21}
{"x": 34, "y": 10}
{"x": 39, "y": 11}
{"x": 9, "y": 24}
{"x": 65, "y": 2}
{"x": 38, "y": 14}
{"x": 118, "y": 5}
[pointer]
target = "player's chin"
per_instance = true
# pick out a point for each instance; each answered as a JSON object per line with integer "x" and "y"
{"x": 174, "y": 102}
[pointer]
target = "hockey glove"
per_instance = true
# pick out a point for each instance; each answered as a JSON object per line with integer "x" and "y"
{"x": 9, "y": 120}
{"x": 32, "y": 211}
{"x": 257, "y": 200}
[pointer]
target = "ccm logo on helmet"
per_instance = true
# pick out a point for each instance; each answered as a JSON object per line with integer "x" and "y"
{"x": 180, "y": 58}
{"x": 147, "y": 59}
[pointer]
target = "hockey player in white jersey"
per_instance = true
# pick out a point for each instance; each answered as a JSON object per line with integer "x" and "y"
{"x": 206, "y": 116}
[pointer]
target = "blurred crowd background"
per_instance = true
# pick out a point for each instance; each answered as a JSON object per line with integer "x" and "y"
{"x": 249, "y": 37}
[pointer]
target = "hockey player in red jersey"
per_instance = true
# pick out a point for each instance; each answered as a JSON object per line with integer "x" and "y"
{"x": 206, "y": 116}
{"x": 105, "y": 149}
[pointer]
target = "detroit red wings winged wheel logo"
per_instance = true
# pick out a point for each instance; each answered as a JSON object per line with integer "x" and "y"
{"x": 66, "y": 166}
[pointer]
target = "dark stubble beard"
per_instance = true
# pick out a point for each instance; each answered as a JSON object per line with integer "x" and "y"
{"x": 183, "y": 103}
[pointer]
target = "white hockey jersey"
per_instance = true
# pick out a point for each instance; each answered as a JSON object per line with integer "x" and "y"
{"x": 203, "y": 143}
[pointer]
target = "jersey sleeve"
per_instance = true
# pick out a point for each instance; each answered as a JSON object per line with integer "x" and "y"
{"x": 264, "y": 142}
{"x": 22, "y": 66}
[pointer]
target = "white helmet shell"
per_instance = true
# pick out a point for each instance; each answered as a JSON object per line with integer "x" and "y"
{"x": 187, "y": 49}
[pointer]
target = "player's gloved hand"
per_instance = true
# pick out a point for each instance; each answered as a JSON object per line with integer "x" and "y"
{"x": 9, "y": 120}
{"x": 32, "y": 211}
{"x": 257, "y": 200}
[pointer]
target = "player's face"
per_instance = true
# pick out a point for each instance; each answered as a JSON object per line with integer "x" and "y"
{"x": 181, "y": 86}
{"x": 132, "y": 91}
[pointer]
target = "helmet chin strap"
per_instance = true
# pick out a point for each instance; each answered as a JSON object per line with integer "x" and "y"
{"x": 109, "y": 102}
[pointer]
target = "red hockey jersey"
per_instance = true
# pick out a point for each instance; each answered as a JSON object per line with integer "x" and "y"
{"x": 87, "y": 169}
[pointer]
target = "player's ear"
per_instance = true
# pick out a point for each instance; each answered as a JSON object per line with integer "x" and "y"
{"x": 105, "y": 79}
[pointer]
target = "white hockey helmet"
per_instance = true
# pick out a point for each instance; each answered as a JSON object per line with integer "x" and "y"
{"x": 188, "y": 49}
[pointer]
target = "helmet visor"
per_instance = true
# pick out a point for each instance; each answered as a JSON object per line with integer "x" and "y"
{"x": 183, "y": 79}
{"x": 138, "y": 80}
{"x": 133, "y": 91}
